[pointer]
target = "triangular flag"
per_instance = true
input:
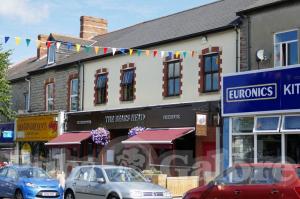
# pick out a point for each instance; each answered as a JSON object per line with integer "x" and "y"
{"x": 38, "y": 43}
{"x": 139, "y": 52}
{"x": 184, "y": 54}
{"x": 147, "y": 52}
{"x": 177, "y": 54}
{"x": 192, "y": 53}
{"x": 114, "y": 51}
{"x": 122, "y": 50}
{"x": 18, "y": 40}
{"x": 162, "y": 54}
{"x": 58, "y": 45}
{"x": 6, "y": 39}
{"x": 154, "y": 53}
{"x": 87, "y": 49}
{"x": 104, "y": 50}
{"x": 170, "y": 55}
{"x": 27, "y": 42}
{"x": 69, "y": 45}
{"x": 78, "y": 47}
{"x": 48, "y": 43}
{"x": 96, "y": 48}
{"x": 130, "y": 51}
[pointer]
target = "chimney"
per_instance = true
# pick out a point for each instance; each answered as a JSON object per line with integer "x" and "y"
{"x": 92, "y": 26}
{"x": 42, "y": 50}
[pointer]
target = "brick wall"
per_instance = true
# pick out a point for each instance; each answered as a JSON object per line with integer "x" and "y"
{"x": 244, "y": 45}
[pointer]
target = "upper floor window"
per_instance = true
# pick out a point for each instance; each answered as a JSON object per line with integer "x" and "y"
{"x": 211, "y": 72}
{"x": 51, "y": 53}
{"x": 286, "y": 48}
{"x": 174, "y": 78}
{"x": 127, "y": 85}
{"x": 74, "y": 94}
{"x": 50, "y": 97}
{"x": 26, "y": 101}
{"x": 101, "y": 88}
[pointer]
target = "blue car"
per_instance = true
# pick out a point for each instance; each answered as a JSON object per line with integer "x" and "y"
{"x": 25, "y": 182}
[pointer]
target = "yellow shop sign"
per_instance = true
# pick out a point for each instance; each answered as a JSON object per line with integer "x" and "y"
{"x": 36, "y": 128}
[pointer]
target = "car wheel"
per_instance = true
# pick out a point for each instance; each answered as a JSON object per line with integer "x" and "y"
{"x": 18, "y": 195}
{"x": 113, "y": 196}
{"x": 69, "y": 195}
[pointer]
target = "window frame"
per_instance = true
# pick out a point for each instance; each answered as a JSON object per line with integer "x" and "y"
{"x": 26, "y": 102}
{"x": 127, "y": 87}
{"x": 174, "y": 77}
{"x": 47, "y": 96}
{"x": 267, "y": 131}
{"x": 103, "y": 89}
{"x": 71, "y": 95}
{"x": 212, "y": 72}
{"x": 51, "y": 54}
{"x": 283, "y": 123}
{"x": 286, "y": 42}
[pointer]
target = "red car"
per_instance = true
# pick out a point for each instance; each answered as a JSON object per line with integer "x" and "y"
{"x": 252, "y": 181}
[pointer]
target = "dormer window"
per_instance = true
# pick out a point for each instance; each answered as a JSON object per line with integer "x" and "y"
{"x": 51, "y": 53}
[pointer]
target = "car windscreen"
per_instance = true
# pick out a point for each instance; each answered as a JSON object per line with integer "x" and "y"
{"x": 32, "y": 173}
{"x": 123, "y": 175}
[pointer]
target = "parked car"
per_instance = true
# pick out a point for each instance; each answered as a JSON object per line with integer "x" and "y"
{"x": 111, "y": 182}
{"x": 248, "y": 181}
{"x": 26, "y": 182}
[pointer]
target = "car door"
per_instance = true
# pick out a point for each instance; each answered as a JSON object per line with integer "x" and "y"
{"x": 230, "y": 184}
{"x": 3, "y": 172}
{"x": 11, "y": 182}
{"x": 81, "y": 182}
{"x": 97, "y": 186}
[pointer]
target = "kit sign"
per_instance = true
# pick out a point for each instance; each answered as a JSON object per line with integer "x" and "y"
{"x": 260, "y": 92}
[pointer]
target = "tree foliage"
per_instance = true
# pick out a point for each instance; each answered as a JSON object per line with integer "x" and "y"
{"x": 5, "y": 91}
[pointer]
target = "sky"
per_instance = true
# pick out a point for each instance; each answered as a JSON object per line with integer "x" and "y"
{"x": 28, "y": 18}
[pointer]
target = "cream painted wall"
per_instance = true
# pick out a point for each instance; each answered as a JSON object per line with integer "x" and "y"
{"x": 149, "y": 74}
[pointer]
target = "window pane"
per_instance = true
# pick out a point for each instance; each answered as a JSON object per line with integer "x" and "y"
{"x": 74, "y": 90}
{"x": 277, "y": 55}
{"x": 286, "y": 36}
{"x": 50, "y": 105}
{"x": 177, "y": 69}
{"x": 51, "y": 53}
{"x": 265, "y": 175}
{"x": 293, "y": 53}
{"x": 243, "y": 149}
{"x": 283, "y": 54}
{"x": 170, "y": 70}
{"x": 177, "y": 86}
{"x": 269, "y": 148}
{"x": 267, "y": 123}
{"x": 291, "y": 122}
{"x": 216, "y": 81}
{"x": 243, "y": 125}
{"x": 74, "y": 103}
{"x": 101, "y": 81}
{"x": 128, "y": 77}
{"x": 237, "y": 175}
{"x": 208, "y": 82}
{"x": 171, "y": 87}
{"x": 292, "y": 145}
{"x": 207, "y": 62}
{"x": 215, "y": 64}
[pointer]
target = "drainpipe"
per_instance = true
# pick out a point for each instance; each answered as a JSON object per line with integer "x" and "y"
{"x": 80, "y": 67}
{"x": 236, "y": 48}
{"x": 249, "y": 43}
{"x": 29, "y": 93}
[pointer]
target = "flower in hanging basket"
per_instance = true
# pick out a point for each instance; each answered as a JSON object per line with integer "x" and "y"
{"x": 135, "y": 130}
{"x": 101, "y": 136}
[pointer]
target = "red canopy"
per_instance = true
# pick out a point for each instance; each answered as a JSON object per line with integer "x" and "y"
{"x": 69, "y": 139}
{"x": 158, "y": 136}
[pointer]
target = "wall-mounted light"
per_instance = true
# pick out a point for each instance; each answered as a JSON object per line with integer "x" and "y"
{"x": 204, "y": 39}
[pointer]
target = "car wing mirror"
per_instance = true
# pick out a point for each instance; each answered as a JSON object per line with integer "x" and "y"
{"x": 101, "y": 180}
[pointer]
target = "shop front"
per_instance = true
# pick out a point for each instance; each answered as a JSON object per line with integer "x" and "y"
{"x": 170, "y": 139}
{"x": 32, "y": 132}
{"x": 262, "y": 116}
{"x": 7, "y": 142}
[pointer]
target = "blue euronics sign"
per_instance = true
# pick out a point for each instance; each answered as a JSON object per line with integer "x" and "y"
{"x": 259, "y": 92}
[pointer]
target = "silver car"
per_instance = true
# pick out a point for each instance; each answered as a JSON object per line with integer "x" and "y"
{"x": 111, "y": 182}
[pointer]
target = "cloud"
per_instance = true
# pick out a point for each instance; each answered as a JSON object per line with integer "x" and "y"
{"x": 26, "y": 11}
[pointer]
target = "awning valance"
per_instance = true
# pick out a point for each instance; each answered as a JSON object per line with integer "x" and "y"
{"x": 69, "y": 139}
{"x": 158, "y": 136}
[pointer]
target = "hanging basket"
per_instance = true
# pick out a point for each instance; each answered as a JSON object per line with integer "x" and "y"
{"x": 101, "y": 136}
{"x": 135, "y": 130}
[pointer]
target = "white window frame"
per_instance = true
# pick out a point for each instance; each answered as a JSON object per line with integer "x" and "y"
{"x": 267, "y": 131}
{"x": 288, "y": 130}
{"x": 241, "y": 133}
{"x": 47, "y": 97}
{"x": 280, "y": 43}
{"x": 51, "y": 59}
{"x": 73, "y": 95}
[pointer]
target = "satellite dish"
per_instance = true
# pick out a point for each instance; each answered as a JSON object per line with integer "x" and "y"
{"x": 261, "y": 55}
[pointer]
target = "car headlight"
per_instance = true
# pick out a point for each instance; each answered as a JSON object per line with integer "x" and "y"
{"x": 167, "y": 194}
{"x": 29, "y": 184}
{"x": 136, "y": 194}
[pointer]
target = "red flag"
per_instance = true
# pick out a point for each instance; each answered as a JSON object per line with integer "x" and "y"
{"x": 105, "y": 50}
{"x": 48, "y": 43}
{"x": 154, "y": 53}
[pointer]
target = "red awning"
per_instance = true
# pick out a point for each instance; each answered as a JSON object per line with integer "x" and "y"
{"x": 158, "y": 136}
{"x": 69, "y": 139}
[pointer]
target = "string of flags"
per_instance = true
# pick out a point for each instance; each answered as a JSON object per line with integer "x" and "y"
{"x": 113, "y": 50}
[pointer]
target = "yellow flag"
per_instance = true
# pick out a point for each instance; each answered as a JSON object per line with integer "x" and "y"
{"x": 96, "y": 49}
{"x": 177, "y": 53}
{"x": 130, "y": 51}
{"x": 78, "y": 47}
{"x": 18, "y": 40}
{"x": 147, "y": 52}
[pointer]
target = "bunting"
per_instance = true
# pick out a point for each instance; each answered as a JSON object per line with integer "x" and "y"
{"x": 27, "y": 42}
{"x": 6, "y": 38}
{"x": 78, "y": 47}
{"x": 58, "y": 45}
{"x": 130, "y": 51}
{"x": 18, "y": 40}
{"x": 96, "y": 48}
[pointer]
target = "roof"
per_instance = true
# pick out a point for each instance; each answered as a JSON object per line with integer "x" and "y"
{"x": 71, "y": 39}
{"x": 262, "y": 4}
{"x": 158, "y": 136}
{"x": 216, "y": 16}
{"x": 20, "y": 69}
{"x": 69, "y": 139}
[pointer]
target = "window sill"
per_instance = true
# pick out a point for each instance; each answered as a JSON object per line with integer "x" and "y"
{"x": 100, "y": 104}
{"x": 172, "y": 96}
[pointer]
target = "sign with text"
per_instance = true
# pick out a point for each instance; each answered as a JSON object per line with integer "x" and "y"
{"x": 7, "y": 133}
{"x": 269, "y": 91}
{"x": 201, "y": 124}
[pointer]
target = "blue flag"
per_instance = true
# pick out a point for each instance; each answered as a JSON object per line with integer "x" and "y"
{"x": 6, "y": 39}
